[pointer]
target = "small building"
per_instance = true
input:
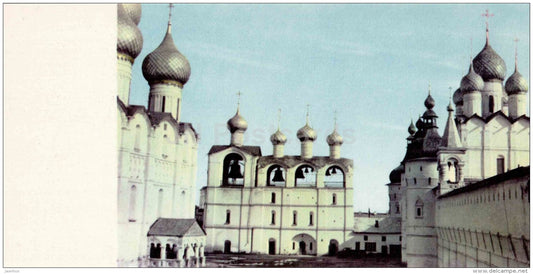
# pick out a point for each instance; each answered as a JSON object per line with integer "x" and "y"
{"x": 176, "y": 243}
{"x": 377, "y": 233}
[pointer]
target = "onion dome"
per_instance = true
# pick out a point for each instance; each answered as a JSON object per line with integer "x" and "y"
{"x": 411, "y": 129}
{"x": 306, "y": 133}
{"x": 129, "y": 37}
{"x": 237, "y": 123}
{"x": 278, "y": 138}
{"x": 419, "y": 123}
{"x": 396, "y": 174}
{"x": 133, "y": 11}
{"x": 334, "y": 139}
{"x": 429, "y": 102}
{"x": 516, "y": 84}
{"x": 450, "y": 107}
{"x": 458, "y": 97}
{"x": 472, "y": 81}
{"x": 489, "y": 65}
{"x": 166, "y": 63}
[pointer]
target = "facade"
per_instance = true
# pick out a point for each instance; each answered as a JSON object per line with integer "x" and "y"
{"x": 488, "y": 137}
{"x": 157, "y": 153}
{"x": 277, "y": 204}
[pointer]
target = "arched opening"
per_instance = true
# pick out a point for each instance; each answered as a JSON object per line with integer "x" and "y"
{"x": 334, "y": 177}
{"x": 137, "y": 143}
{"x": 133, "y": 202}
{"x": 311, "y": 218}
{"x": 419, "y": 208}
{"x": 491, "y": 104}
{"x": 273, "y": 218}
{"x": 302, "y": 250}
{"x": 276, "y": 176}
{"x": 500, "y": 165}
{"x": 294, "y": 218}
{"x": 227, "y": 246}
{"x": 306, "y": 244}
{"x": 333, "y": 247}
{"x": 334, "y": 199}
{"x": 453, "y": 171}
{"x": 305, "y": 176}
{"x": 271, "y": 246}
{"x": 159, "y": 203}
{"x": 233, "y": 171}
{"x": 228, "y": 217}
{"x": 163, "y": 104}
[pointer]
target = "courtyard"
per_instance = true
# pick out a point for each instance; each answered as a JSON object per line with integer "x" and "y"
{"x": 261, "y": 260}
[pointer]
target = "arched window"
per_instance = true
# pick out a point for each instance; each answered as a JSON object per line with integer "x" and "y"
{"x": 500, "y": 165}
{"x": 228, "y": 217}
{"x": 419, "y": 209}
{"x": 305, "y": 176}
{"x": 334, "y": 177}
{"x": 273, "y": 218}
{"x": 159, "y": 202}
{"x": 334, "y": 199}
{"x": 163, "y": 105}
{"x": 133, "y": 202}
{"x": 233, "y": 172}
{"x": 273, "y": 198}
{"x": 137, "y": 144}
{"x": 276, "y": 176}
{"x": 453, "y": 171}
{"x": 311, "y": 218}
{"x": 491, "y": 104}
{"x": 294, "y": 218}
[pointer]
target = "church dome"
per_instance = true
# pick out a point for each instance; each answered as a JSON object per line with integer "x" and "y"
{"x": 516, "y": 84}
{"x": 133, "y": 11}
{"x": 278, "y": 138}
{"x": 489, "y": 65}
{"x": 166, "y": 63}
{"x": 472, "y": 81}
{"x": 334, "y": 138}
{"x": 419, "y": 123}
{"x": 396, "y": 174}
{"x": 237, "y": 122}
{"x": 411, "y": 129}
{"x": 129, "y": 37}
{"x": 429, "y": 102}
{"x": 458, "y": 97}
{"x": 306, "y": 133}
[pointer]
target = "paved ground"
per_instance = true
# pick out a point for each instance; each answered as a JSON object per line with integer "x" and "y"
{"x": 250, "y": 260}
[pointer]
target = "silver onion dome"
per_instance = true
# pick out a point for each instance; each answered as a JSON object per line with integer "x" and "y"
{"x": 129, "y": 37}
{"x": 166, "y": 63}
{"x": 278, "y": 138}
{"x": 133, "y": 10}
{"x": 334, "y": 138}
{"x": 516, "y": 84}
{"x": 306, "y": 133}
{"x": 472, "y": 81}
{"x": 489, "y": 65}
{"x": 458, "y": 97}
{"x": 237, "y": 122}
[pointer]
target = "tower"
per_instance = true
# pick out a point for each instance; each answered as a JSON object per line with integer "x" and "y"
{"x": 129, "y": 45}
{"x": 166, "y": 71}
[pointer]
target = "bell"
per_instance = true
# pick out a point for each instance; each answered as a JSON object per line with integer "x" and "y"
{"x": 235, "y": 171}
{"x": 334, "y": 171}
{"x": 278, "y": 176}
{"x": 299, "y": 174}
{"x": 327, "y": 173}
{"x": 306, "y": 170}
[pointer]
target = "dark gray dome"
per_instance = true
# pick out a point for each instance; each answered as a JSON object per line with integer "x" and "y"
{"x": 129, "y": 37}
{"x": 133, "y": 10}
{"x": 411, "y": 129}
{"x": 458, "y": 97}
{"x": 396, "y": 174}
{"x": 516, "y": 84}
{"x": 429, "y": 102}
{"x": 166, "y": 63}
{"x": 472, "y": 81}
{"x": 489, "y": 65}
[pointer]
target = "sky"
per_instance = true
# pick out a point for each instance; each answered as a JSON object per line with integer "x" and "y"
{"x": 371, "y": 63}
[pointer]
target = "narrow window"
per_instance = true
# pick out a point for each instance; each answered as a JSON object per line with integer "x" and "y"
{"x": 294, "y": 217}
{"x": 228, "y": 217}
{"x": 491, "y": 104}
{"x": 383, "y": 238}
{"x": 165, "y": 126}
{"x": 293, "y": 245}
{"x": 365, "y": 238}
{"x": 415, "y": 180}
{"x": 273, "y": 221}
{"x": 420, "y": 168}
{"x": 311, "y": 246}
{"x": 133, "y": 201}
{"x": 163, "y": 105}
{"x": 137, "y": 137}
{"x": 273, "y": 198}
{"x": 419, "y": 206}
{"x": 500, "y": 165}
{"x": 310, "y": 218}
{"x": 160, "y": 203}
{"x": 178, "y": 108}
{"x": 334, "y": 199}
{"x": 429, "y": 181}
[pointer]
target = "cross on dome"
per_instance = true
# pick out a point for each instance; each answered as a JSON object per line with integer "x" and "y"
{"x": 487, "y": 15}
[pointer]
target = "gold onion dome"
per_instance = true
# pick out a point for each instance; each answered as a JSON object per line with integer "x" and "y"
{"x": 472, "y": 81}
{"x": 237, "y": 122}
{"x": 516, "y": 84}
{"x": 334, "y": 138}
{"x": 489, "y": 65}
{"x": 278, "y": 138}
{"x": 166, "y": 63}
{"x": 133, "y": 11}
{"x": 306, "y": 133}
{"x": 458, "y": 97}
{"x": 129, "y": 37}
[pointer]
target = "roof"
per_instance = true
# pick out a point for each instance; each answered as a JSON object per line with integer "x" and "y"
{"x": 387, "y": 225}
{"x": 291, "y": 161}
{"x": 184, "y": 126}
{"x": 175, "y": 228}
{"x": 494, "y": 180}
{"x": 253, "y": 150}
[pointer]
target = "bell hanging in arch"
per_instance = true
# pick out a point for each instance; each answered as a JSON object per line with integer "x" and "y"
{"x": 299, "y": 174}
{"x": 327, "y": 173}
{"x": 334, "y": 171}
{"x": 306, "y": 170}
{"x": 278, "y": 176}
{"x": 235, "y": 171}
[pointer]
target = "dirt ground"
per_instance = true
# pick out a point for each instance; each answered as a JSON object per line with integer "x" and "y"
{"x": 260, "y": 260}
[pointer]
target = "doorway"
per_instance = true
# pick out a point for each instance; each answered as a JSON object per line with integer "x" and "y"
{"x": 302, "y": 248}
{"x": 227, "y": 247}
{"x": 271, "y": 247}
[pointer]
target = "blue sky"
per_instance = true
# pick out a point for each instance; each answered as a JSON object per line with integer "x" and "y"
{"x": 369, "y": 62}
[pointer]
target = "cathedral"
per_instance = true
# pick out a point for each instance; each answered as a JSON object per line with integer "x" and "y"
{"x": 277, "y": 204}
{"x": 157, "y": 155}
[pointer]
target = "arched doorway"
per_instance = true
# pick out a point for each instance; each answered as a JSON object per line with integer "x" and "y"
{"x": 302, "y": 250}
{"x": 333, "y": 247}
{"x": 271, "y": 246}
{"x": 227, "y": 247}
{"x": 306, "y": 244}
